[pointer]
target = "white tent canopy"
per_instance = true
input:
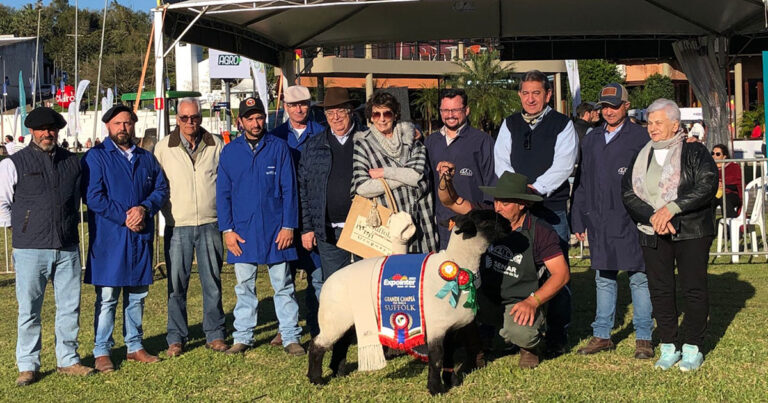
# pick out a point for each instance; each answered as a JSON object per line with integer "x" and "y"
{"x": 270, "y": 30}
{"x": 261, "y": 29}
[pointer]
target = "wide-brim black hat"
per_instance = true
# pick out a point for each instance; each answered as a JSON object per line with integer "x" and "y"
{"x": 43, "y": 117}
{"x": 511, "y": 186}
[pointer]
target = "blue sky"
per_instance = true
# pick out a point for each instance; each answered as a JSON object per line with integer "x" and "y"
{"x": 143, "y": 5}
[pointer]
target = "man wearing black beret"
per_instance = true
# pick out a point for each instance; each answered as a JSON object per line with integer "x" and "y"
{"x": 124, "y": 189}
{"x": 40, "y": 199}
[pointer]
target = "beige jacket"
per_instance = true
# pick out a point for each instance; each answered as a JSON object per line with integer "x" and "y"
{"x": 192, "y": 185}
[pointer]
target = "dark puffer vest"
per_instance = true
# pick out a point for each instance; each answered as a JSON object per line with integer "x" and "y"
{"x": 45, "y": 209}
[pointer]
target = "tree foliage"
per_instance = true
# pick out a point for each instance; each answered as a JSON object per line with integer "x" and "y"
{"x": 490, "y": 90}
{"x": 125, "y": 41}
{"x": 656, "y": 86}
{"x": 594, "y": 74}
{"x": 425, "y": 102}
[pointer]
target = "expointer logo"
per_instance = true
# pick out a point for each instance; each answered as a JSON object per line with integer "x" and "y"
{"x": 229, "y": 60}
{"x": 400, "y": 281}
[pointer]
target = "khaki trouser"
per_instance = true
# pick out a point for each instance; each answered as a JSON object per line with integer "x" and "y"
{"x": 527, "y": 337}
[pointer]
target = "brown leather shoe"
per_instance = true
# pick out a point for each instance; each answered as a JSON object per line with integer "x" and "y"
{"x": 76, "y": 370}
{"x": 237, "y": 348}
{"x": 103, "y": 364}
{"x": 294, "y": 349}
{"x": 528, "y": 359}
{"x": 643, "y": 349}
{"x": 142, "y": 356}
{"x": 27, "y": 377}
{"x": 277, "y": 341}
{"x": 174, "y": 350}
{"x": 596, "y": 345}
{"x": 217, "y": 345}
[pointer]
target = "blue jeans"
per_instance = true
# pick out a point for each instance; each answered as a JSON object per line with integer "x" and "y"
{"x": 246, "y": 308}
{"x": 104, "y": 318}
{"x": 332, "y": 257}
{"x": 180, "y": 245}
{"x": 34, "y": 267}
{"x": 607, "y": 290}
{"x": 559, "y": 307}
{"x": 314, "y": 284}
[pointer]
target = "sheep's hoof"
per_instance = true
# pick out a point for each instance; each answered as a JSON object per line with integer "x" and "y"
{"x": 316, "y": 380}
{"x": 451, "y": 379}
{"x": 436, "y": 388}
{"x": 340, "y": 370}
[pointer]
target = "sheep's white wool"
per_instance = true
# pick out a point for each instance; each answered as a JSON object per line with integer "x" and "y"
{"x": 348, "y": 297}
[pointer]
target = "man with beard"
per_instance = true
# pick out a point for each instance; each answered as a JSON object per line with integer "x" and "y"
{"x": 40, "y": 199}
{"x": 257, "y": 204}
{"x": 190, "y": 157}
{"x": 124, "y": 187}
{"x": 461, "y": 148}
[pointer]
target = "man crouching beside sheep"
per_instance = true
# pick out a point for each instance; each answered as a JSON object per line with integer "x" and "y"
{"x": 520, "y": 273}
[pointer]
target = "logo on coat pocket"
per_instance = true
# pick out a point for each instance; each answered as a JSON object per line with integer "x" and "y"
{"x": 622, "y": 170}
{"x": 465, "y": 172}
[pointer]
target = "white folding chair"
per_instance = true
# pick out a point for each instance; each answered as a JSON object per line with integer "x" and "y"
{"x": 753, "y": 220}
{"x": 757, "y": 217}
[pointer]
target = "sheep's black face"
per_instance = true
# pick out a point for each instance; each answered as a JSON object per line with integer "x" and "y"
{"x": 487, "y": 223}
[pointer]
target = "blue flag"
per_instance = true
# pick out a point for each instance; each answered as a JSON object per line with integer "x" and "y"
{"x": 23, "y": 105}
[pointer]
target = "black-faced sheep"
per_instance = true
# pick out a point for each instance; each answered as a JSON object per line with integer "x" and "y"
{"x": 349, "y": 298}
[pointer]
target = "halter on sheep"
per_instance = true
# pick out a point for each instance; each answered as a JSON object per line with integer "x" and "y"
{"x": 349, "y": 298}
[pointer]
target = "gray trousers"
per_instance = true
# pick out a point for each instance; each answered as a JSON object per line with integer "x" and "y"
{"x": 497, "y": 315}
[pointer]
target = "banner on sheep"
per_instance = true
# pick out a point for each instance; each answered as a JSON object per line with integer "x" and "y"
{"x": 400, "y": 303}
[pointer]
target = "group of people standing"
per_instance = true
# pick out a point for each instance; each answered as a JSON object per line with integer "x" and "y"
{"x": 281, "y": 199}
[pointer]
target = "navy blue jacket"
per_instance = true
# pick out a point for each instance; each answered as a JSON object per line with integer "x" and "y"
{"x": 597, "y": 205}
{"x": 314, "y": 169}
{"x": 297, "y": 145}
{"x": 472, "y": 153}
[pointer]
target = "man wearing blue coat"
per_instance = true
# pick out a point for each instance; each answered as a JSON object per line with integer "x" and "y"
{"x": 124, "y": 187}
{"x": 296, "y": 132}
{"x": 597, "y": 209}
{"x": 257, "y": 205}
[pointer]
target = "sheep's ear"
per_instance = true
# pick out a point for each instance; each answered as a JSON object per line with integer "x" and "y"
{"x": 465, "y": 227}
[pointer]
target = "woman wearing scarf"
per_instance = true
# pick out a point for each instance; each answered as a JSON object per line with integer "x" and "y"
{"x": 388, "y": 150}
{"x": 668, "y": 191}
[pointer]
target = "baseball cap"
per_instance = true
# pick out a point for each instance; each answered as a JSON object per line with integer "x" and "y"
{"x": 250, "y": 105}
{"x": 613, "y": 94}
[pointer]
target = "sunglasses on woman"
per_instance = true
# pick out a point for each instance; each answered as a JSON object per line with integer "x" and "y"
{"x": 385, "y": 114}
{"x": 716, "y": 153}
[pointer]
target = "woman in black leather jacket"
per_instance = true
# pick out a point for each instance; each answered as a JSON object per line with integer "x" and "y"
{"x": 668, "y": 190}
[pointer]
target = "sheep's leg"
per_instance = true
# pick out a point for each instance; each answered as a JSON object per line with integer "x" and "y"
{"x": 339, "y": 355}
{"x": 434, "y": 382}
{"x": 450, "y": 379}
{"x": 473, "y": 343}
{"x": 315, "y": 370}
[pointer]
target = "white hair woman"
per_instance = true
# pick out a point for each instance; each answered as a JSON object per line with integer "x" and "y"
{"x": 668, "y": 192}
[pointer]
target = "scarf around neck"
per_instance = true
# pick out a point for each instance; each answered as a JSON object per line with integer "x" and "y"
{"x": 532, "y": 119}
{"x": 670, "y": 171}
{"x": 402, "y": 134}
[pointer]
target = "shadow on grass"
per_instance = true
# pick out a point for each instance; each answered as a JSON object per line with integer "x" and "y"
{"x": 728, "y": 295}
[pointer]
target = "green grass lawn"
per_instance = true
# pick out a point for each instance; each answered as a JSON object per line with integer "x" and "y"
{"x": 735, "y": 366}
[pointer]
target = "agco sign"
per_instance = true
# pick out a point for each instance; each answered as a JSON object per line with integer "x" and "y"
{"x": 229, "y": 60}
